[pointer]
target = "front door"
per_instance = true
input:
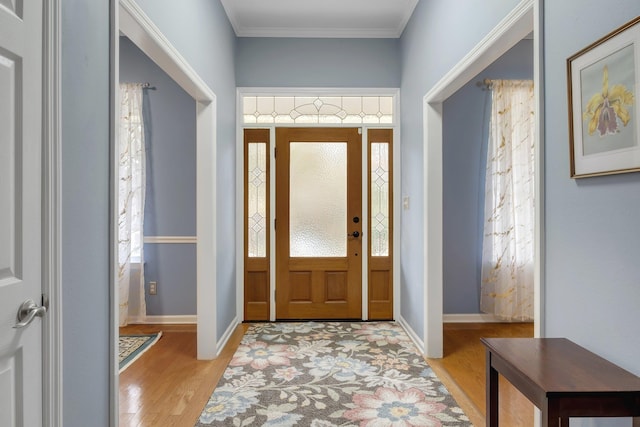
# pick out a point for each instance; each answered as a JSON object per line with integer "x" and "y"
{"x": 318, "y": 223}
{"x": 20, "y": 212}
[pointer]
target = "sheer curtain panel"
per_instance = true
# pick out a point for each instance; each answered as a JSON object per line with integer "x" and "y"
{"x": 131, "y": 195}
{"x": 508, "y": 244}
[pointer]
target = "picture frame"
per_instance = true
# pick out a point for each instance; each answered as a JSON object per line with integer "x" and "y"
{"x": 604, "y": 118}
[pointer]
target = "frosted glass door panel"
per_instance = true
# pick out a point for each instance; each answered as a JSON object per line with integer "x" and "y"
{"x": 318, "y": 199}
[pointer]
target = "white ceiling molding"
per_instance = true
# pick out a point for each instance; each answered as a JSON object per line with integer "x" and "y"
{"x": 322, "y": 19}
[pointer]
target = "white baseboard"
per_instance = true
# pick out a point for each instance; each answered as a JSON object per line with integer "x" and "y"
{"x": 184, "y": 320}
{"x": 164, "y": 320}
{"x": 171, "y": 239}
{"x": 222, "y": 342}
{"x": 419, "y": 343}
{"x": 470, "y": 318}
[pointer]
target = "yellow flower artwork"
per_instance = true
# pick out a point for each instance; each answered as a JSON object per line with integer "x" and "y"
{"x": 605, "y": 109}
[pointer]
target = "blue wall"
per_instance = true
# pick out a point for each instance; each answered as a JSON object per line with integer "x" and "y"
{"x": 201, "y": 32}
{"x": 438, "y": 36}
{"x": 464, "y": 167}
{"x": 85, "y": 212}
{"x": 290, "y": 62}
{"x": 173, "y": 267}
{"x": 170, "y": 209}
{"x": 592, "y": 231}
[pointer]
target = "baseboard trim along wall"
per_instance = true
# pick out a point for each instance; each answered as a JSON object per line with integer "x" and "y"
{"x": 222, "y": 342}
{"x": 171, "y": 239}
{"x": 187, "y": 319}
{"x": 470, "y": 318}
{"x": 412, "y": 334}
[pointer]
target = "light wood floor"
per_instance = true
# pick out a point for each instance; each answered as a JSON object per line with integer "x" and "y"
{"x": 168, "y": 387}
{"x": 462, "y": 370}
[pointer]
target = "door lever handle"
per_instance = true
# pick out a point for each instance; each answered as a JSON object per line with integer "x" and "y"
{"x": 28, "y": 311}
{"x": 354, "y": 234}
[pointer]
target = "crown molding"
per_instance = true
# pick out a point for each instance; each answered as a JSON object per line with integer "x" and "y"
{"x": 394, "y": 30}
{"x": 327, "y": 33}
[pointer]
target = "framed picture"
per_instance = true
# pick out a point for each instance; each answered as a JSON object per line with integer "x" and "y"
{"x": 604, "y": 121}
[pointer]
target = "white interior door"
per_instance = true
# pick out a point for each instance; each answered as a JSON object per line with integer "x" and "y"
{"x": 20, "y": 212}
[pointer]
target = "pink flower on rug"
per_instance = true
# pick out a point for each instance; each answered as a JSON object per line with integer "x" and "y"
{"x": 260, "y": 355}
{"x": 287, "y": 374}
{"x": 380, "y": 333}
{"x": 393, "y": 408}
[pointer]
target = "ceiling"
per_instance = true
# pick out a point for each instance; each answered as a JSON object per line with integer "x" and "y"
{"x": 319, "y": 18}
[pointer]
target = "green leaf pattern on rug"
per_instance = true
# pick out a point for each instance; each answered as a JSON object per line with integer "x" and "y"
{"x": 333, "y": 374}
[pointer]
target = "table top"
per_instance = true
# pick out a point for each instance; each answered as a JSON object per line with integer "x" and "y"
{"x": 558, "y": 365}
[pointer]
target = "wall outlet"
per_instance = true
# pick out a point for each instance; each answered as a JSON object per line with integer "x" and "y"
{"x": 153, "y": 288}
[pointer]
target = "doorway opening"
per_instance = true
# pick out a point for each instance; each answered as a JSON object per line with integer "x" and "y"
{"x": 137, "y": 26}
{"x": 316, "y": 193}
{"x": 134, "y": 24}
{"x": 523, "y": 20}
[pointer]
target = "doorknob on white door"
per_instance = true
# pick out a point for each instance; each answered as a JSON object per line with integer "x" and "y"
{"x": 27, "y": 312}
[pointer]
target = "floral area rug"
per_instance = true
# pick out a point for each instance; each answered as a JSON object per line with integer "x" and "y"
{"x": 328, "y": 375}
{"x": 131, "y": 347}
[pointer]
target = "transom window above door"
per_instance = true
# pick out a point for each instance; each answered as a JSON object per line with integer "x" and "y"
{"x": 318, "y": 109}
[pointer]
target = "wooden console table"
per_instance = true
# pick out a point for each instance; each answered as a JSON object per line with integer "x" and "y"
{"x": 562, "y": 379}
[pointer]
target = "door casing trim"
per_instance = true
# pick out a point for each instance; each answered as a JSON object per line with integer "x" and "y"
{"x": 52, "y": 227}
{"x": 525, "y": 17}
{"x": 311, "y": 91}
{"x": 128, "y": 17}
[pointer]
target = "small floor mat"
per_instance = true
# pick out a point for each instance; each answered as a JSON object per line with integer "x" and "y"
{"x": 131, "y": 347}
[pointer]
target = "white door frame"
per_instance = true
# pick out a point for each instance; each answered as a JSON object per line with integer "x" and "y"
{"x": 522, "y": 20}
{"x": 131, "y": 20}
{"x": 136, "y": 25}
{"x": 310, "y": 91}
{"x": 51, "y": 215}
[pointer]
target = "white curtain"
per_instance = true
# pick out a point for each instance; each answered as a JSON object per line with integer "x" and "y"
{"x": 131, "y": 196}
{"x": 508, "y": 244}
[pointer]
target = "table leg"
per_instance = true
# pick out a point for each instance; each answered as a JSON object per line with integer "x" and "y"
{"x": 551, "y": 415}
{"x": 492, "y": 393}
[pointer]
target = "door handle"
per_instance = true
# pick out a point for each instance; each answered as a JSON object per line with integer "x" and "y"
{"x": 28, "y": 311}
{"x": 354, "y": 234}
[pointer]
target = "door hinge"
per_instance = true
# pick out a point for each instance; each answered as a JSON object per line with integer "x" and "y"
{"x": 275, "y": 223}
{"x": 275, "y": 152}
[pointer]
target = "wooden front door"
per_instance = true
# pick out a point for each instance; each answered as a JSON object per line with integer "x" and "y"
{"x": 318, "y": 223}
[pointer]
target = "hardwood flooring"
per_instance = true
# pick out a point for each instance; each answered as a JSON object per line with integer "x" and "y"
{"x": 168, "y": 387}
{"x": 462, "y": 370}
